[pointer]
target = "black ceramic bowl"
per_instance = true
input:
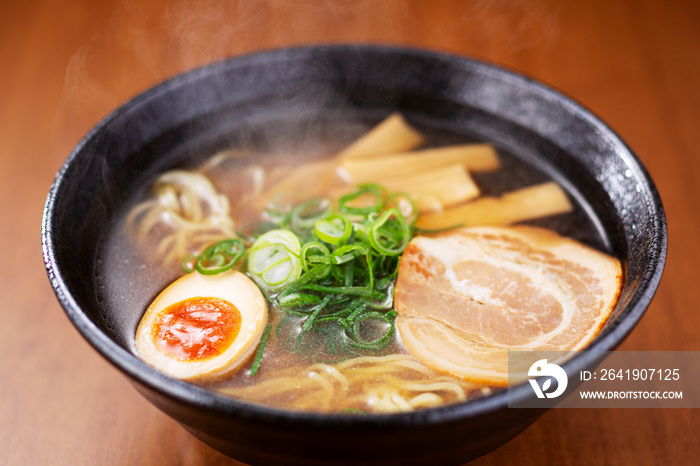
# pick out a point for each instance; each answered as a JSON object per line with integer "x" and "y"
{"x": 310, "y": 91}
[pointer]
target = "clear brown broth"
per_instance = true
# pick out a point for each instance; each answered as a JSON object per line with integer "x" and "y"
{"x": 135, "y": 278}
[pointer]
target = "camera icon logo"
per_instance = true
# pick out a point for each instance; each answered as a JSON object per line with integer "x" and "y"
{"x": 541, "y": 369}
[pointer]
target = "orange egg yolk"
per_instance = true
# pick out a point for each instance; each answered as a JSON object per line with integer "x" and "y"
{"x": 196, "y": 328}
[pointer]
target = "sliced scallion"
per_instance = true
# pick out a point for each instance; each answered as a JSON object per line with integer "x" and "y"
{"x": 390, "y": 234}
{"x": 306, "y": 214}
{"x": 336, "y": 230}
{"x": 375, "y": 193}
{"x": 273, "y": 260}
{"x": 332, "y": 271}
{"x": 220, "y": 257}
{"x": 261, "y": 350}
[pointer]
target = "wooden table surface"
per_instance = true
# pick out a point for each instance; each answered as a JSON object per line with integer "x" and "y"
{"x": 64, "y": 65}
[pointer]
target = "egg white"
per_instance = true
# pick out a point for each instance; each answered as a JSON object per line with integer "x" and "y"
{"x": 231, "y": 286}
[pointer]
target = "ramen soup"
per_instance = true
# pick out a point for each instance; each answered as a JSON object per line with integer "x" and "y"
{"x": 387, "y": 277}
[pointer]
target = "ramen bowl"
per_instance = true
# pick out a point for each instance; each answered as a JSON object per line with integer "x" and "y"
{"x": 310, "y": 92}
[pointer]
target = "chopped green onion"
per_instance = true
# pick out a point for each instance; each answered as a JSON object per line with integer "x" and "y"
{"x": 298, "y": 299}
{"x": 261, "y": 349}
{"x": 273, "y": 260}
{"x": 332, "y": 274}
{"x": 188, "y": 262}
{"x": 388, "y": 301}
{"x": 358, "y": 309}
{"x": 349, "y": 251}
{"x": 220, "y": 257}
{"x": 349, "y": 274}
{"x": 323, "y": 257}
{"x": 309, "y": 322}
{"x": 390, "y": 234}
{"x": 305, "y": 215}
{"x": 372, "y": 190}
{"x": 406, "y": 206}
{"x": 347, "y": 290}
{"x": 383, "y": 340}
{"x": 336, "y": 230}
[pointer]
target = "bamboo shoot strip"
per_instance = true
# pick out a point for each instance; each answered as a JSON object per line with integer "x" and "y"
{"x": 324, "y": 174}
{"x": 392, "y": 135}
{"x": 432, "y": 190}
{"x": 474, "y": 157}
{"x": 516, "y": 206}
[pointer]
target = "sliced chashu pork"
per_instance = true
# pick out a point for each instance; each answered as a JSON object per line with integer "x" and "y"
{"x": 466, "y": 297}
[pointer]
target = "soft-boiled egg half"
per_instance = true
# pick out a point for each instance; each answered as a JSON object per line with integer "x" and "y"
{"x": 203, "y": 326}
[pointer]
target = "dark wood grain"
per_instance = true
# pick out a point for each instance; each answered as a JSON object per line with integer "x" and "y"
{"x": 64, "y": 65}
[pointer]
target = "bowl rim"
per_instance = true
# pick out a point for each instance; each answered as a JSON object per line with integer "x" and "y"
{"x": 209, "y": 400}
